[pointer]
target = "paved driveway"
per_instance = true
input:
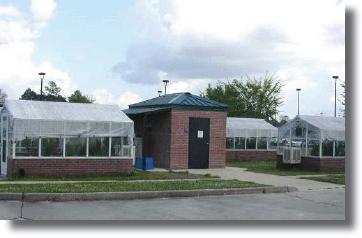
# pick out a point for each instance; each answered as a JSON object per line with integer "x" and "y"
{"x": 267, "y": 179}
{"x": 306, "y": 205}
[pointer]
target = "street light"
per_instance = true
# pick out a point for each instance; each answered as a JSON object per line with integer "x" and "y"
{"x": 41, "y": 74}
{"x": 159, "y": 93}
{"x": 335, "y": 95}
{"x": 165, "y": 82}
{"x": 298, "y": 90}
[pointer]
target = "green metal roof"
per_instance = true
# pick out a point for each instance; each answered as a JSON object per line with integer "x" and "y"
{"x": 180, "y": 100}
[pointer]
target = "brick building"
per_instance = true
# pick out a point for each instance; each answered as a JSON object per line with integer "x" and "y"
{"x": 57, "y": 139}
{"x": 181, "y": 130}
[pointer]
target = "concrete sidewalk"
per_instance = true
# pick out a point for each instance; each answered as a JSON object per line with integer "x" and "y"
{"x": 267, "y": 179}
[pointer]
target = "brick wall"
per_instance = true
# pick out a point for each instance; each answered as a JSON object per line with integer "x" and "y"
{"x": 69, "y": 167}
{"x": 155, "y": 130}
{"x": 250, "y": 155}
{"x": 317, "y": 164}
{"x": 180, "y": 137}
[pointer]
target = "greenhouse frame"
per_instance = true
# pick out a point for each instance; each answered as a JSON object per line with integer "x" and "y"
{"x": 60, "y": 138}
{"x": 250, "y": 138}
{"x": 324, "y": 136}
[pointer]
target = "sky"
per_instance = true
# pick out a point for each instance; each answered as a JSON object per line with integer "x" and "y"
{"x": 119, "y": 52}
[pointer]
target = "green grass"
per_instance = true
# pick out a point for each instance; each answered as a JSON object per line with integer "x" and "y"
{"x": 138, "y": 175}
{"x": 270, "y": 167}
{"x": 330, "y": 178}
{"x": 126, "y": 186}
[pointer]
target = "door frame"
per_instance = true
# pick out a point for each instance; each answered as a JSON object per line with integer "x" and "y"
{"x": 208, "y": 142}
{"x": 4, "y": 161}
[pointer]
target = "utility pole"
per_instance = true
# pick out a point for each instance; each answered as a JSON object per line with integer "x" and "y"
{"x": 165, "y": 82}
{"x": 298, "y": 90}
{"x": 41, "y": 74}
{"x": 335, "y": 94}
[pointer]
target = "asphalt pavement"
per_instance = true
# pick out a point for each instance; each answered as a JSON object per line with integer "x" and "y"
{"x": 328, "y": 204}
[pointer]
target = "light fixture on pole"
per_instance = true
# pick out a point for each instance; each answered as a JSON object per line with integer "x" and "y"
{"x": 335, "y": 94}
{"x": 41, "y": 74}
{"x": 165, "y": 82}
{"x": 159, "y": 93}
{"x": 298, "y": 90}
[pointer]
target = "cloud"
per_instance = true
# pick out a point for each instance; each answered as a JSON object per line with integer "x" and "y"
{"x": 185, "y": 41}
{"x": 126, "y": 98}
{"x": 17, "y": 42}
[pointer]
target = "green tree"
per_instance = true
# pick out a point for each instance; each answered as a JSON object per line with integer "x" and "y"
{"x": 249, "y": 97}
{"x": 343, "y": 99}
{"x": 30, "y": 95}
{"x": 52, "y": 89}
{"x": 77, "y": 97}
{"x": 3, "y": 96}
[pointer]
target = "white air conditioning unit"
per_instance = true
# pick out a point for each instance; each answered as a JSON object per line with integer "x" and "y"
{"x": 291, "y": 155}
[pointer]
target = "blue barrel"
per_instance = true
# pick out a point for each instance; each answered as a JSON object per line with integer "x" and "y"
{"x": 139, "y": 163}
{"x": 148, "y": 163}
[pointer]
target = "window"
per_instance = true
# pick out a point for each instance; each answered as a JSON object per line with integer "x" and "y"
{"x": 262, "y": 143}
{"x": 52, "y": 147}
{"x": 98, "y": 146}
{"x": 27, "y": 147}
{"x": 251, "y": 143}
{"x": 120, "y": 146}
{"x": 273, "y": 143}
{"x": 240, "y": 143}
{"x": 75, "y": 146}
{"x": 230, "y": 143}
{"x": 327, "y": 148}
{"x": 340, "y": 148}
{"x": 313, "y": 147}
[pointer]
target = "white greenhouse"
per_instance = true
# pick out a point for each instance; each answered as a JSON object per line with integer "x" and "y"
{"x": 317, "y": 136}
{"x": 250, "y": 134}
{"x": 46, "y": 131}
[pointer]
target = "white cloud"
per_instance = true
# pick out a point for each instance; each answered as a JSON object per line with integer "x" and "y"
{"x": 302, "y": 41}
{"x": 17, "y": 43}
{"x": 124, "y": 99}
{"x": 9, "y": 11}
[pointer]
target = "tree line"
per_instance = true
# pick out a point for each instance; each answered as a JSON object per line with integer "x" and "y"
{"x": 52, "y": 93}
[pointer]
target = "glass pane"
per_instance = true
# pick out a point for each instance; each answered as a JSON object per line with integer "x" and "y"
{"x": 98, "y": 146}
{"x": 4, "y": 124}
{"x": 313, "y": 147}
{"x": 240, "y": 143}
{"x": 27, "y": 147}
{"x": 229, "y": 143}
{"x": 327, "y": 148}
{"x": 262, "y": 143}
{"x": 116, "y": 144}
{"x": 273, "y": 143}
{"x": 52, "y": 147}
{"x": 75, "y": 146}
{"x": 340, "y": 148}
{"x": 251, "y": 143}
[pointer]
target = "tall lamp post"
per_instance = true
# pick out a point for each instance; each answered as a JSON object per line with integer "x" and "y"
{"x": 165, "y": 82}
{"x": 41, "y": 74}
{"x": 298, "y": 90}
{"x": 335, "y": 94}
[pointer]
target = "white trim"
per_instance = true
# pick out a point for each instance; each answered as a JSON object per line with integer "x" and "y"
{"x": 251, "y": 150}
{"x": 71, "y": 157}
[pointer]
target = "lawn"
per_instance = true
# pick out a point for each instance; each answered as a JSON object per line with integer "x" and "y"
{"x": 124, "y": 186}
{"x": 269, "y": 167}
{"x": 330, "y": 178}
{"x": 138, "y": 175}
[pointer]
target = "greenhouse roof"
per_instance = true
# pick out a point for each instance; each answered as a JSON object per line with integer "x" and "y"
{"x": 321, "y": 127}
{"x": 64, "y": 111}
{"x": 249, "y": 127}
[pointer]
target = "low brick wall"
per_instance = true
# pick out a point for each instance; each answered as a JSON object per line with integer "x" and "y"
{"x": 250, "y": 155}
{"x": 69, "y": 167}
{"x": 316, "y": 164}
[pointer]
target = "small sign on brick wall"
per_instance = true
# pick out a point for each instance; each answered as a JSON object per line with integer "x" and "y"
{"x": 200, "y": 134}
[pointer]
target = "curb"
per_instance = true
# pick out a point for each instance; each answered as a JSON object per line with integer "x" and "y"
{"x": 63, "y": 197}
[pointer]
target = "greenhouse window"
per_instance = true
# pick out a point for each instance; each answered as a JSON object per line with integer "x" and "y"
{"x": 240, "y": 143}
{"x": 27, "y": 147}
{"x": 52, "y": 147}
{"x": 230, "y": 143}
{"x": 327, "y": 148}
{"x": 120, "y": 146}
{"x": 75, "y": 146}
{"x": 340, "y": 148}
{"x": 98, "y": 146}
{"x": 251, "y": 143}
{"x": 262, "y": 143}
